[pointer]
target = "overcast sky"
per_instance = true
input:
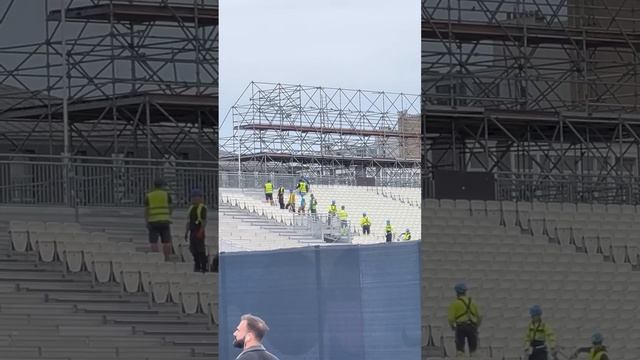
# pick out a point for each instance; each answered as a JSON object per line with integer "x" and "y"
{"x": 354, "y": 44}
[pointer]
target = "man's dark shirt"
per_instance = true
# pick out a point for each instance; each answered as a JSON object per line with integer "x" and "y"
{"x": 256, "y": 353}
{"x": 193, "y": 216}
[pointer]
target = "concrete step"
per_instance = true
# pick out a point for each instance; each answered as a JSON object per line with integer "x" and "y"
{"x": 35, "y": 309}
{"x": 72, "y": 287}
{"x": 167, "y": 331}
{"x": 130, "y": 309}
{"x": 99, "y": 330}
{"x": 75, "y": 342}
{"x": 87, "y": 298}
{"x": 20, "y": 276}
{"x": 156, "y": 321}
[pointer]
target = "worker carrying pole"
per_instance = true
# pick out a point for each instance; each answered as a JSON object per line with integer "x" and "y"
{"x": 365, "y": 223}
{"x": 596, "y": 352}
{"x": 539, "y": 339}
{"x": 464, "y": 319}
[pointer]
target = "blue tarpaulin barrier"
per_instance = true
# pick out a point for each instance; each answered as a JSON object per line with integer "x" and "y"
{"x": 343, "y": 302}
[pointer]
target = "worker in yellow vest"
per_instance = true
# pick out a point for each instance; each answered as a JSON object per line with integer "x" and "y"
{"x": 333, "y": 211}
{"x": 281, "y": 191}
{"x": 313, "y": 207}
{"x": 464, "y": 319}
{"x": 406, "y": 235}
{"x": 291, "y": 203}
{"x": 302, "y": 187}
{"x": 597, "y": 351}
{"x": 195, "y": 231}
{"x": 365, "y": 223}
{"x": 539, "y": 339}
{"x": 157, "y": 216}
{"x": 344, "y": 220}
{"x": 388, "y": 231}
{"x": 268, "y": 191}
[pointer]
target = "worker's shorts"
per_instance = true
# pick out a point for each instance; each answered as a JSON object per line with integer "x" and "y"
{"x": 468, "y": 332}
{"x": 389, "y": 237}
{"x": 159, "y": 230}
{"x": 268, "y": 196}
{"x": 366, "y": 229}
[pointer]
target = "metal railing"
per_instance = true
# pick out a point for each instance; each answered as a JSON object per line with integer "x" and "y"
{"x": 105, "y": 182}
{"x": 572, "y": 188}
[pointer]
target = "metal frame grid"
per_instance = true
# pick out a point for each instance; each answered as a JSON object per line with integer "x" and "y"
{"x": 544, "y": 94}
{"x": 134, "y": 74}
{"x": 321, "y": 131}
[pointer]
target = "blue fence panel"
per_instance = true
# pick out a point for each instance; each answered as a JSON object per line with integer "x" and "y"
{"x": 326, "y": 303}
{"x": 391, "y": 301}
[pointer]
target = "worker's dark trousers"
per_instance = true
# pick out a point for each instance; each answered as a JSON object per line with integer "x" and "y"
{"x": 199, "y": 252}
{"x": 389, "y": 237}
{"x": 366, "y": 229}
{"x": 281, "y": 201}
{"x": 468, "y": 332}
{"x": 539, "y": 351}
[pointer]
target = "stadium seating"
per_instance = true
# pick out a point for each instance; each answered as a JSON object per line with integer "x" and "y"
{"x": 68, "y": 293}
{"x": 247, "y": 222}
{"x": 512, "y": 267}
{"x": 379, "y": 208}
{"x": 357, "y": 199}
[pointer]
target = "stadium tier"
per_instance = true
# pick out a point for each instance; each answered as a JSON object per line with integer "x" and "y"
{"x": 249, "y": 222}
{"x": 71, "y": 290}
{"x": 509, "y": 268}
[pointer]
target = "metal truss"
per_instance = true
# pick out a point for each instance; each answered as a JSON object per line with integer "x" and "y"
{"x": 543, "y": 94}
{"x": 138, "y": 76}
{"x": 325, "y": 131}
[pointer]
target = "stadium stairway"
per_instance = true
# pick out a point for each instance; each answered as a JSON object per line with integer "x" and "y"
{"x": 508, "y": 269}
{"x": 48, "y": 312}
{"x": 242, "y": 229}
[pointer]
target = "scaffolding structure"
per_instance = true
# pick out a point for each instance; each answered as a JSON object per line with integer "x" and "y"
{"x": 544, "y": 94}
{"x": 137, "y": 78}
{"x": 318, "y": 131}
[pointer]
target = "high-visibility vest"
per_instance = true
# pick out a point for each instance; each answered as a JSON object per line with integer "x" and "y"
{"x": 268, "y": 188}
{"x": 158, "y": 209}
{"x": 463, "y": 310}
{"x": 281, "y": 190}
{"x": 333, "y": 209}
{"x": 198, "y": 213}
{"x": 292, "y": 198}
{"x": 342, "y": 215}
{"x": 388, "y": 229}
{"x": 314, "y": 205}
{"x": 596, "y": 353}
{"x": 540, "y": 332}
{"x": 406, "y": 236}
{"x": 365, "y": 221}
{"x": 302, "y": 186}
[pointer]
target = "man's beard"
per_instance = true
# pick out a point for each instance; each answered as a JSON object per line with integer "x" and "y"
{"x": 239, "y": 343}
